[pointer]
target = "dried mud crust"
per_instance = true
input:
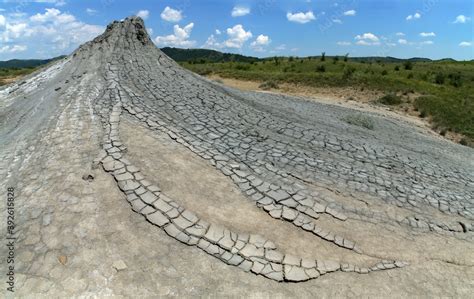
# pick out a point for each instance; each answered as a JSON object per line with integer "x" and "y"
{"x": 291, "y": 163}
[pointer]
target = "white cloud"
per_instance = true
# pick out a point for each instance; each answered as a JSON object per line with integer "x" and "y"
{"x": 91, "y": 11}
{"x": 143, "y": 14}
{"x": 427, "y": 34}
{"x": 180, "y": 38}
{"x": 53, "y": 15}
{"x": 301, "y": 17}
{"x": 260, "y": 42}
{"x": 50, "y": 33}
{"x": 237, "y": 36}
{"x": 171, "y": 15}
{"x": 462, "y": 19}
{"x": 338, "y": 21}
{"x": 427, "y": 42}
{"x": 402, "y": 41}
{"x": 367, "y": 36}
{"x": 465, "y": 44}
{"x": 367, "y": 39}
{"x": 400, "y": 34}
{"x": 212, "y": 43}
{"x": 218, "y": 32}
{"x": 3, "y": 21}
{"x": 413, "y": 17}
{"x": 343, "y": 43}
{"x": 13, "y": 49}
{"x": 350, "y": 13}
{"x": 239, "y": 11}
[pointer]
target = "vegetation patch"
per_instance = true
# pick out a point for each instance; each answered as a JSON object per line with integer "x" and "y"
{"x": 360, "y": 120}
{"x": 390, "y": 100}
{"x": 267, "y": 85}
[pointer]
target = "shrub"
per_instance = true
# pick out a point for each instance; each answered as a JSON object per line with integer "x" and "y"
{"x": 320, "y": 68}
{"x": 455, "y": 79}
{"x": 242, "y": 67}
{"x": 397, "y": 68}
{"x": 335, "y": 59}
{"x": 384, "y": 73}
{"x": 390, "y": 99}
{"x": 346, "y": 57}
{"x": 348, "y": 72}
{"x": 439, "y": 78}
{"x": 360, "y": 120}
{"x": 323, "y": 56}
{"x": 410, "y": 76}
{"x": 268, "y": 85}
{"x": 408, "y": 65}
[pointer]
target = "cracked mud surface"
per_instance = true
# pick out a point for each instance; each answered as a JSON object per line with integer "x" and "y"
{"x": 232, "y": 193}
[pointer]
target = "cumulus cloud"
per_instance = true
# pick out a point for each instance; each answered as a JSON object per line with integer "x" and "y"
{"x": 143, "y": 14}
{"x": 413, "y": 17}
{"x": 49, "y": 33}
{"x": 427, "y": 34}
{"x": 218, "y": 32}
{"x": 400, "y": 34}
{"x": 180, "y": 38}
{"x": 462, "y": 19}
{"x": 239, "y": 11}
{"x": 465, "y": 44}
{"x": 260, "y": 42}
{"x": 53, "y": 15}
{"x": 171, "y": 15}
{"x": 402, "y": 41}
{"x": 367, "y": 39}
{"x": 350, "y": 13}
{"x": 13, "y": 49}
{"x": 301, "y": 17}
{"x": 237, "y": 36}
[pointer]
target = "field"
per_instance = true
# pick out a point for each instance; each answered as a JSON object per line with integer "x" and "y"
{"x": 8, "y": 75}
{"x": 444, "y": 89}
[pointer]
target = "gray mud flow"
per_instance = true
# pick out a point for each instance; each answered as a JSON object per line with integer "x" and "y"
{"x": 134, "y": 177}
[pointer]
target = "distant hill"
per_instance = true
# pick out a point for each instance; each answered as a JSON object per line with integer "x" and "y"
{"x": 26, "y": 63}
{"x": 205, "y": 55}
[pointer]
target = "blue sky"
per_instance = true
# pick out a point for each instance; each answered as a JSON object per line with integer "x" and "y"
{"x": 401, "y": 28}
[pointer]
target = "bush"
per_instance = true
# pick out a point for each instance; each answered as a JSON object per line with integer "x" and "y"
{"x": 323, "y": 56}
{"x": 397, "y": 68}
{"x": 320, "y": 68}
{"x": 439, "y": 78}
{"x": 360, "y": 120}
{"x": 455, "y": 79}
{"x": 242, "y": 67}
{"x": 348, "y": 72}
{"x": 408, "y": 65}
{"x": 384, "y": 73}
{"x": 390, "y": 99}
{"x": 268, "y": 85}
{"x": 346, "y": 57}
{"x": 335, "y": 59}
{"x": 410, "y": 76}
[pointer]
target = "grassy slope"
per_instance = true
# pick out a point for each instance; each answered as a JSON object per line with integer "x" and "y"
{"x": 451, "y": 107}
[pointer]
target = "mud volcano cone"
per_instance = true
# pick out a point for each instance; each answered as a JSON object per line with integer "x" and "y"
{"x": 280, "y": 187}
